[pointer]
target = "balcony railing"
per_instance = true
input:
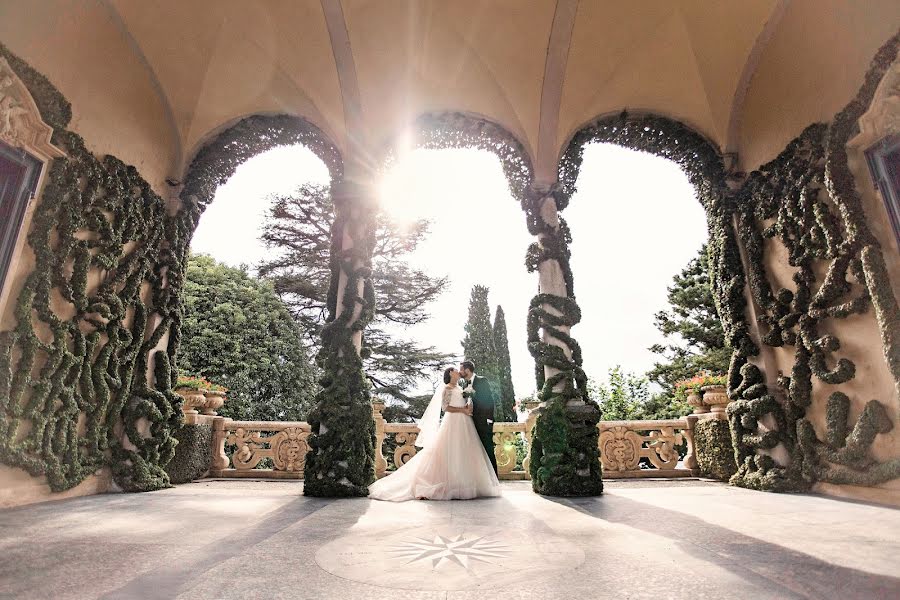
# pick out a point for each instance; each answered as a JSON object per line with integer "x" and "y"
{"x": 628, "y": 449}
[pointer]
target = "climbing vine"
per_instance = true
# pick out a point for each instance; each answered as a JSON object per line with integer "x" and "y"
{"x": 88, "y": 321}
{"x": 702, "y": 163}
{"x": 565, "y": 456}
{"x": 217, "y": 160}
{"x": 341, "y": 461}
{"x": 807, "y": 201}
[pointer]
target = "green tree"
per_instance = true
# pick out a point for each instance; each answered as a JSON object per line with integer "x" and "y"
{"x": 621, "y": 396}
{"x": 625, "y": 396}
{"x": 298, "y": 230}
{"x": 692, "y": 324}
{"x": 507, "y": 409}
{"x": 237, "y": 332}
{"x": 478, "y": 344}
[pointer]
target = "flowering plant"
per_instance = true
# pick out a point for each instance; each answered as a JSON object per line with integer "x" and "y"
{"x": 468, "y": 394}
{"x": 194, "y": 382}
{"x": 698, "y": 381}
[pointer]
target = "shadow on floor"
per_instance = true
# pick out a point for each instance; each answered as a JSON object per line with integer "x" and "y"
{"x": 170, "y": 581}
{"x": 752, "y": 559}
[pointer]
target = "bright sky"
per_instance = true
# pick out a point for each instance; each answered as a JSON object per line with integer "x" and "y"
{"x": 635, "y": 223}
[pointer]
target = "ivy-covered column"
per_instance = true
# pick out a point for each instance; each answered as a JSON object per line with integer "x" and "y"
{"x": 565, "y": 458}
{"x": 341, "y": 461}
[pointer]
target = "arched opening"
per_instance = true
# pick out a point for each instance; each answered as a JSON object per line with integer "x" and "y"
{"x": 636, "y": 224}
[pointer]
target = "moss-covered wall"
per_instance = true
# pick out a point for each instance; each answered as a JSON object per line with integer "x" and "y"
{"x": 715, "y": 452}
{"x": 192, "y": 454}
{"x": 87, "y": 366}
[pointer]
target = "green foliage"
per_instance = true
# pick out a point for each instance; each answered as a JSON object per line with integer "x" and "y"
{"x": 506, "y": 407}
{"x": 565, "y": 458}
{"x": 236, "y": 331}
{"x": 626, "y": 396}
{"x": 806, "y": 199}
{"x": 693, "y": 320}
{"x": 715, "y": 452}
{"x": 341, "y": 460}
{"x": 192, "y": 454}
{"x": 478, "y": 344}
{"x": 298, "y": 230}
{"x": 73, "y": 371}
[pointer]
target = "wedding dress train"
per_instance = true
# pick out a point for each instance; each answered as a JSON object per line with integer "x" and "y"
{"x": 452, "y": 465}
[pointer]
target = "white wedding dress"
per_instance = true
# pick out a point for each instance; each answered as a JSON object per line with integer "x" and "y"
{"x": 452, "y": 466}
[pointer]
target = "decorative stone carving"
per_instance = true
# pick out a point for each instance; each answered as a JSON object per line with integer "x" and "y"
{"x": 883, "y": 117}
{"x": 213, "y": 402}
{"x": 695, "y": 400}
{"x": 193, "y": 399}
{"x": 21, "y": 125}
{"x": 662, "y": 443}
{"x": 380, "y": 460}
{"x": 715, "y": 397}
{"x": 505, "y": 437}
{"x": 406, "y": 447}
{"x": 620, "y": 449}
{"x": 289, "y": 449}
{"x": 622, "y": 446}
{"x": 624, "y": 443}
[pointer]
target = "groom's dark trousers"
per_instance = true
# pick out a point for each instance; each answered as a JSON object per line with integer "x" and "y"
{"x": 486, "y": 434}
{"x": 483, "y": 409}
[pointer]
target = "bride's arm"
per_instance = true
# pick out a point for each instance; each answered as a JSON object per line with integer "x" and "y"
{"x": 445, "y": 402}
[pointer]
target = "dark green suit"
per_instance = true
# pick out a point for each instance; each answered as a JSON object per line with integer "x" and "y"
{"x": 483, "y": 403}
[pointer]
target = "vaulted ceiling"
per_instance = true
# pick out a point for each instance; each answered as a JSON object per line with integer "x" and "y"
{"x": 363, "y": 69}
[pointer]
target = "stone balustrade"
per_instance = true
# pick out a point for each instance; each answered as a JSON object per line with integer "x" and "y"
{"x": 280, "y": 446}
{"x": 628, "y": 449}
{"x": 647, "y": 448}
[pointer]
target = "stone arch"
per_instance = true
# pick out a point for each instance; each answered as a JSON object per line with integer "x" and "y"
{"x": 701, "y": 160}
{"x": 454, "y": 129}
{"x": 220, "y": 156}
{"x": 695, "y": 153}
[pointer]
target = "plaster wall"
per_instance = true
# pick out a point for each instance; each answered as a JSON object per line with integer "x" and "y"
{"x": 785, "y": 96}
{"x": 813, "y": 65}
{"x": 116, "y": 108}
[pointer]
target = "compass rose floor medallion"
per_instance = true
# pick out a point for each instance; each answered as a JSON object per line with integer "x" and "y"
{"x": 448, "y": 558}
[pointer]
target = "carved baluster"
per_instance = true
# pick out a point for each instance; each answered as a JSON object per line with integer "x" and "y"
{"x": 406, "y": 447}
{"x": 380, "y": 460}
{"x": 219, "y": 458}
{"x": 690, "y": 459}
{"x": 504, "y": 449}
{"x": 529, "y": 432}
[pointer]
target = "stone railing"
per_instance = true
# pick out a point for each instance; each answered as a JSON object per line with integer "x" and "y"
{"x": 628, "y": 449}
{"x": 281, "y": 447}
{"x": 647, "y": 448}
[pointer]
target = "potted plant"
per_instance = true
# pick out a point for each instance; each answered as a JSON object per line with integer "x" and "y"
{"x": 215, "y": 398}
{"x": 714, "y": 393}
{"x": 703, "y": 391}
{"x": 193, "y": 390}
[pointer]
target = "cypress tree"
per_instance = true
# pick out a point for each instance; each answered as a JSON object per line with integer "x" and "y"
{"x": 478, "y": 344}
{"x": 507, "y": 409}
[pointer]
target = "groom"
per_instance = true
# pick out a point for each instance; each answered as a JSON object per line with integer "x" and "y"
{"x": 483, "y": 402}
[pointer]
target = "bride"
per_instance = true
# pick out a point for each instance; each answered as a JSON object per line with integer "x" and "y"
{"x": 453, "y": 464}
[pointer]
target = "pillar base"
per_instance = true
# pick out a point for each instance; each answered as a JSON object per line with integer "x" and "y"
{"x": 565, "y": 456}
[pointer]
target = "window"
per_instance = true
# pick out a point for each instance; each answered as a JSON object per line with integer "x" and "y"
{"x": 884, "y": 164}
{"x": 18, "y": 179}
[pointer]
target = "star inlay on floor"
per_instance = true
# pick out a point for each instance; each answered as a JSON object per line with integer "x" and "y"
{"x": 448, "y": 556}
{"x": 460, "y": 550}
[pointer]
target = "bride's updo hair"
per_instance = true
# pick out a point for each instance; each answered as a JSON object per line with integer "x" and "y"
{"x": 447, "y": 375}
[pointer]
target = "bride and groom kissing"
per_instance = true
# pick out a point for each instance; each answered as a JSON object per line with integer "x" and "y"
{"x": 457, "y": 460}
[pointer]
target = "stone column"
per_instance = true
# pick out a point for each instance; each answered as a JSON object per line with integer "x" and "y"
{"x": 565, "y": 457}
{"x": 341, "y": 461}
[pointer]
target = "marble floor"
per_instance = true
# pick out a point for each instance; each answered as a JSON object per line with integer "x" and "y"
{"x": 650, "y": 539}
